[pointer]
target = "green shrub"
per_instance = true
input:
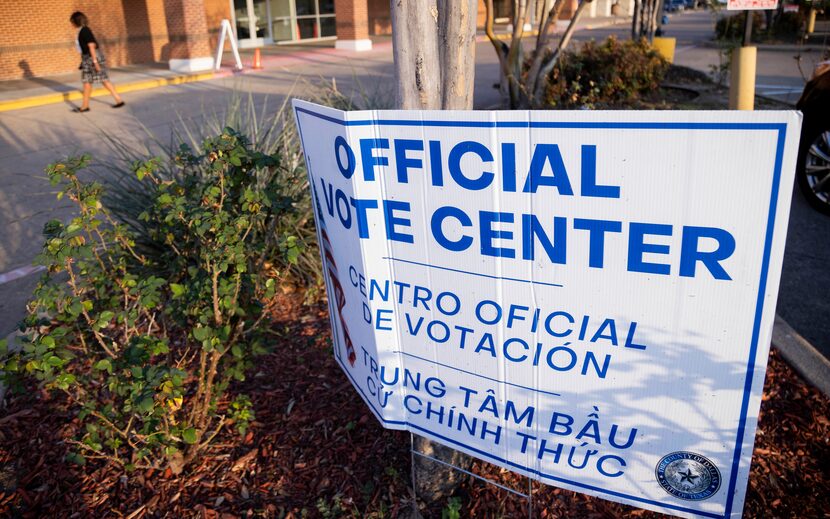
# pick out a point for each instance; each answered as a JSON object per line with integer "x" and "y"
{"x": 787, "y": 24}
{"x": 271, "y": 132}
{"x": 610, "y": 74}
{"x": 732, "y": 27}
{"x": 146, "y": 346}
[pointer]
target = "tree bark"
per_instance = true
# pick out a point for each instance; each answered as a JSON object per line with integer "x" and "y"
{"x": 457, "y": 37}
{"x": 434, "y": 51}
{"x": 415, "y": 51}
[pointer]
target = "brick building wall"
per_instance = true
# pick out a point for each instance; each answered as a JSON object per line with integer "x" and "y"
{"x": 380, "y": 21}
{"x": 36, "y": 38}
{"x": 351, "y": 19}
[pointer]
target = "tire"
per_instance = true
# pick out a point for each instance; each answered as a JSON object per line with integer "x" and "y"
{"x": 813, "y": 173}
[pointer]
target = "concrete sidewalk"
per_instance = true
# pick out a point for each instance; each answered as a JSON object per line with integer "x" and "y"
{"x": 39, "y": 91}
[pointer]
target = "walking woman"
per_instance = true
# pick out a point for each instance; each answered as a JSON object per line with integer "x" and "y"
{"x": 93, "y": 67}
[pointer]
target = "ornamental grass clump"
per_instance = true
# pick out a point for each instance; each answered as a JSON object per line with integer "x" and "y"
{"x": 145, "y": 347}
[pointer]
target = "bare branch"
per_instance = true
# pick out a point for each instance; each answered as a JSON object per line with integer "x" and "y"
{"x": 541, "y": 45}
{"x": 501, "y": 47}
{"x": 563, "y": 43}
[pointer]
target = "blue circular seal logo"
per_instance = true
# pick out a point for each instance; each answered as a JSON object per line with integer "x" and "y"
{"x": 687, "y": 475}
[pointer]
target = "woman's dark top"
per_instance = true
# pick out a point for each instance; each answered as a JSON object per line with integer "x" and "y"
{"x": 85, "y": 37}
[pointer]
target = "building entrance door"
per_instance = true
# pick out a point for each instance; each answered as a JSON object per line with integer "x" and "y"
{"x": 259, "y": 22}
{"x": 251, "y": 19}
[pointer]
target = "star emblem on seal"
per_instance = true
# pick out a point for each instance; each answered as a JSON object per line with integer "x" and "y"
{"x": 688, "y": 476}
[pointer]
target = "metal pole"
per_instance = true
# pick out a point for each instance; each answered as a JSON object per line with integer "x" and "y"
{"x": 748, "y": 29}
{"x": 530, "y": 496}
{"x": 412, "y": 468}
{"x": 742, "y": 80}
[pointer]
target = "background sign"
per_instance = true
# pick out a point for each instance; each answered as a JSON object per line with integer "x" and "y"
{"x": 746, "y": 5}
{"x": 585, "y": 298}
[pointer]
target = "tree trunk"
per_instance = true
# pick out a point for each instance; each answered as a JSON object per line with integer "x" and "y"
{"x": 457, "y": 37}
{"x": 434, "y": 51}
{"x": 415, "y": 50}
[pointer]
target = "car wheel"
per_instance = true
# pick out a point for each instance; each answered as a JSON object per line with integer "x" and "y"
{"x": 814, "y": 172}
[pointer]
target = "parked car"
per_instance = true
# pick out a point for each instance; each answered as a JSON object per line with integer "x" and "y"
{"x": 813, "y": 167}
{"x": 674, "y": 6}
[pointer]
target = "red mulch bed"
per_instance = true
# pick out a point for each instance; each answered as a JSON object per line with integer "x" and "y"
{"x": 316, "y": 451}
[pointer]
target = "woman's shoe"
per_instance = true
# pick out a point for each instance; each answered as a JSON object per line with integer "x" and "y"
{"x": 80, "y": 110}
{"x": 118, "y": 105}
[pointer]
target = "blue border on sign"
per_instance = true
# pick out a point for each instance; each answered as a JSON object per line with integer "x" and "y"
{"x": 780, "y": 128}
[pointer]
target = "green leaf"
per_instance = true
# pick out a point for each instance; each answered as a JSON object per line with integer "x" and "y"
{"x": 76, "y": 458}
{"x": 189, "y": 435}
{"x": 75, "y": 309}
{"x": 146, "y": 404}
{"x": 11, "y": 365}
{"x": 200, "y": 334}
{"x": 64, "y": 380}
{"x": 104, "y": 319}
{"x": 177, "y": 289}
{"x": 104, "y": 364}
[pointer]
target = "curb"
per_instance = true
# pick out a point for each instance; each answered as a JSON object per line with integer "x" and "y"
{"x": 535, "y": 32}
{"x": 785, "y": 47}
{"x": 789, "y": 47}
{"x": 47, "y": 99}
{"x": 801, "y": 355}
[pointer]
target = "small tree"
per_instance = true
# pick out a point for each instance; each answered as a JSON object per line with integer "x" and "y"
{"x": 524, "y": 77}
{"x": 145, "y": 346}
{"x": 434, "y": 51}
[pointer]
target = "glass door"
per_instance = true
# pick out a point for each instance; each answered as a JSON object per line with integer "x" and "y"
{"x": 251, "y": 22}
{"x": 258, "y": 22}
{"x": 315, "y": 19}
{"x": 295, "y": 20}
{"x": 282, "y": 20}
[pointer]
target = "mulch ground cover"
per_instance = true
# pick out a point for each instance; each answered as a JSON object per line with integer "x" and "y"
{"x": 315, "y": 451}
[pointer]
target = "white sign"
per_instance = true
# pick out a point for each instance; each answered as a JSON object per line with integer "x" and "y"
{"x": 225, "y": 31}
{"x": 585, "y": 298}
{"x": 751, "y": 5}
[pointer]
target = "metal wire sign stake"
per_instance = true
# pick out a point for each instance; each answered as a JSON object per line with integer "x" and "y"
{"x": 414, "y": 452}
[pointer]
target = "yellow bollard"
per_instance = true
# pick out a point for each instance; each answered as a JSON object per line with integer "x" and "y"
{"x": 665, "y": 47}
{"x": 811, "y": 21}
{"x": 742, "y": 81}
